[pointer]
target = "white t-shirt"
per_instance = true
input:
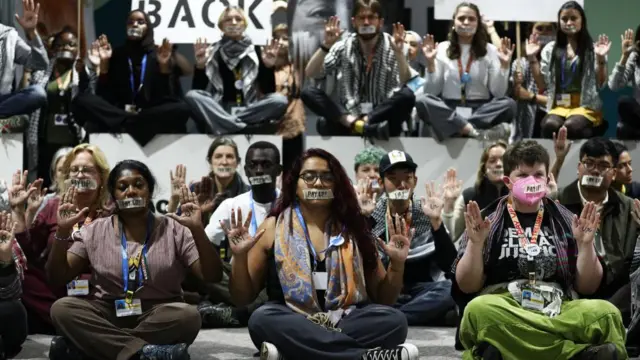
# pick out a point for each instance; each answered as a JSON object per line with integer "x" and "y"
{"x": 223, "y": 213}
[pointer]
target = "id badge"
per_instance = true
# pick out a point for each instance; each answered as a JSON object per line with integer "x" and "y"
{"x": 60, "y": 119}
{"x": 464, "y": 112}
{"x": 131, "y": 109}
{"x": 237, "y": 110}
{"x": 78, "y": 288}
{"x": 415, "y": 83}
{"x": 366, "y": 108}
{"x": 123, "y": 309}
{"x": 532, "y": 299}
{"x": 563, "y": 100}
{"x": 320, "y": 280}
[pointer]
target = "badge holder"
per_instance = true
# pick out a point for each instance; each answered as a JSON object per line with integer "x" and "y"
{"x": 464, "y": 111}
{"x": 128, "y": 306}
{"x": 78, "y": 288}
{"x": 563, "y": 100}
{"x": 131, "y": 109}
{"x": 532, "y": 298}
{"x": 60, "y": 119}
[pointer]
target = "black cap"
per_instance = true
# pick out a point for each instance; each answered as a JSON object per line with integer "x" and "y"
{"x": 396, "y": 159}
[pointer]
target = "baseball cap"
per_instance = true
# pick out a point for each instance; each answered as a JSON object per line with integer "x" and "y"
{"x": 396, "y": 159}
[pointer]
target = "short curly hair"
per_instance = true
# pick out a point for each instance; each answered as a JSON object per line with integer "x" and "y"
{"x": 369, "y": 156}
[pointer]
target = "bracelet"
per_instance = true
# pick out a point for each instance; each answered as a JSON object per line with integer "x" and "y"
{"x": 57, "y": 238}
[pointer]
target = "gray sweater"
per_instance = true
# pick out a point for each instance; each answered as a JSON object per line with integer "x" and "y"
{"x": 15, "y": 51}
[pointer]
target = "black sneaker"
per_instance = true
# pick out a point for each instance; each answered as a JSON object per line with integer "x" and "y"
{"x": 598, "y": 352}
{"x": 378, "y": 131}
{"x": 491, "y": 353}
{"x": 62, "y": 349}
{"x": 165, "y": 352}
{"x": 401, "y": 352}
{"x": 217, "y": 316}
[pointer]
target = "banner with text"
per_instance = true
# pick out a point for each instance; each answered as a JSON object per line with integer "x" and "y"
{"x": 184, "y": 21}
{"x": 507, "y": 10}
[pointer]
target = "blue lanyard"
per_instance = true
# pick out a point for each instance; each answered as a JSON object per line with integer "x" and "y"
{"x": 143, "y": 71}
{"x": 125, "y": 257}
{"x": 574, "y": 65}
{"x": 253, "y": 228}
{"x": 332, "y": 243}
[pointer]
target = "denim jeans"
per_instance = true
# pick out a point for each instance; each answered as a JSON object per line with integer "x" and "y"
{"x": 426, "y": 302}
{"x": 22, "y": 102}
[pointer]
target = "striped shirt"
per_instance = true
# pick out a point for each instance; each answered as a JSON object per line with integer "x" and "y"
{"x": 361, "y": 84}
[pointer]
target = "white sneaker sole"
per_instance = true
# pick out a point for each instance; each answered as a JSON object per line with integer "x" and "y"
{"x": 409, "y": 352}
{"x": 268, "y": 351}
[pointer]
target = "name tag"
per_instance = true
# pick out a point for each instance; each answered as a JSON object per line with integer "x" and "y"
{"x": 237, "y": 109}
{"x": 320, "y": 280}
{"x": 563, "y": 100}
{"x": 131, "y": 109}
{"x": 78, "y": 288}
{"x": 532, "y": 299}
{"x": 366, "y": 108}
{"x": 464, "y": 112}
{"x": 60, "y": 120}
{"x": 123, "y": 309}
{"x": 415, "y": 83}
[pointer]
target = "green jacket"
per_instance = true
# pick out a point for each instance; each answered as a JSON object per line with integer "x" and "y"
{"x": 618, "y": 233}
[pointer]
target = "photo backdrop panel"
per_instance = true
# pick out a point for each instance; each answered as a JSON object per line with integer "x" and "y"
{"x": 10, "y": 156}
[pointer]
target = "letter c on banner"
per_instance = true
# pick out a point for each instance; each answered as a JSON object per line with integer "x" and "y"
{"x": 205, "y": 12}
{"x": 154, "y": 15}
{"x": 161, "y": 206}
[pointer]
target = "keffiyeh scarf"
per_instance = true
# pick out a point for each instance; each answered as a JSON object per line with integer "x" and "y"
{"x": 8, "y": 39}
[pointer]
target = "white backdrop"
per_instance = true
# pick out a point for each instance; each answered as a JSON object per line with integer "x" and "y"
{"x": 164, "y": 152}
{"x": 507, "y": 10}
{"x": 10, "y": 155}
{"x": 183, "y": 21}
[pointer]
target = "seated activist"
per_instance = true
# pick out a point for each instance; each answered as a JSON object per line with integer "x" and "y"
{"x": 223, "y": 179}
{"x": 425, "y": 298}
{"x": 13, "y": 331}
{"x": 617, "y": 233}
{"x": 234, "y": 82}
{"x": 627, "y": 73}
{"x": 319, "y": 264}
{"x": 466, "y": 81}
{"x": 15, "y": 106}
{"x": 623, "y": 181}
{"x": 488, "y": 187}
{"x": 138, "y": 261}
{"x": 55, "y": 173}
{"x": 373, "y": 67}
{"x": 262, "y": 167}
{"x": 53, "y": 126}
{"x": 531, "y": 101}
{"x": 135, "y": 92}
{"x": 85, "y": 168}
{"x": 522, "y": 264}
{"x": 572, "y": 69}
{"x": 366, "y": 165}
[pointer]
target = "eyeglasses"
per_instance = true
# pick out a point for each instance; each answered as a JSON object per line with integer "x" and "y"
{"x": 87, "y": 170}
{"x": 600, "y": 165}
{"x": 310, "y": 178}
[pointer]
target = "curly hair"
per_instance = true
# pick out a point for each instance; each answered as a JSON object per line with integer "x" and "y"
{"x": 370, "y": 155}
{"x": 480, "y": 39}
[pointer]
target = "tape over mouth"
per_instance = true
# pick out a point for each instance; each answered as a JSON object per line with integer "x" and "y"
{"x": 131, "y": 203}
{"x": 399, "y": 195}
{"x": 260, "y": 180}
{"x": 317, "y": 194}
{"x": 82, "y": 184}
{"x": 589, "y": 180}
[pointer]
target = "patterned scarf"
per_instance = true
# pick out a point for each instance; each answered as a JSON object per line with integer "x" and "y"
{"x": 560, "y": 218}
{"x": 234, "y": 53}
{"x": 346, "y": 286}
{"x": 19, "y": 259}
{"x": 8, "y": 38}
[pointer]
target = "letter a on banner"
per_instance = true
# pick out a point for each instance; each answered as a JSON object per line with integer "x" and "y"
{"x": 183, "y": 21}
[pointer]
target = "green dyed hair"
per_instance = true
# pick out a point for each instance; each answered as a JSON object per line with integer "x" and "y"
{"x": 369, "y": 156}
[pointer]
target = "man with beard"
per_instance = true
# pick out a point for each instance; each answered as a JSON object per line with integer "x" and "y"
{"x": 262, "y": 167}
{"x": 616, "y": 236}
{"x": 372, "y": 65}
{"x": 31, "y": 54}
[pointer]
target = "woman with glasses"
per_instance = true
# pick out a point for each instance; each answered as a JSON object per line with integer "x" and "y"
{"x": 85, "y": 168}
{"x": 328, "y": 290}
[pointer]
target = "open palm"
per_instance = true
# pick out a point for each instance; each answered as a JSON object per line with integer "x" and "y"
{"x": 270, "y": 53}
{"x": 397, "y": 249}
{"x": 366, "y": 196}
{"x": 452, "y": 186}
{"x": 164, "y": 52}
{"x": 429, "y": 47}
{"x": 29, "y": 18}
{"x": 68, "y": 214}
{"x": 240, "y": 241}
{"x": 533, "y": 45}
{"x": 105, "y": 50}
{"x": 602, "y": 46}
{"x": 190, "y": 214}
{"x": 477, "y": 228}
{"x": 7, "y": 231}
{"x": 433, "y": 203}
{"x": 585, "y": 226}
{"x": 398, "y": 36}
{"x": 37, "y": 196}
{"x": 18, "y": 193}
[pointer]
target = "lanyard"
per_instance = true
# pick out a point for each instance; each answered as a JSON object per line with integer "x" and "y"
{"x": 238, "y": 75}
{"x": 142, "y": 255}
{"x": 574, "y": 64}
{"x": 386, "y": 224}
{"x": 143, "y": 71}
{"x": 530, "y": 246}
{"x": 63, "y": 85}
{"x": 253, "y": 228}
{"x": 310, "y": 244}
{"x": 465, "y": 77}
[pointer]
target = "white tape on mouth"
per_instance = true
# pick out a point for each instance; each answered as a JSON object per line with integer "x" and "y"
{"x": 497, "y": 172}
{"x": 317, "y": 194}
{"x": 83, "y": 184}
{"x": 131, "y": 203}
{"x": 260, "y": 180}
{"x": 223, "y": 170}
{"x": 398, "y": 195}
{"x": 367, "y": 30}
{"x": 134, "y": 32}
{"x": 375, "y": 184}
{"x": 589, "y": 180}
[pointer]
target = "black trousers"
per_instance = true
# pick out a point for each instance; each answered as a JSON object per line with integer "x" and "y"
{"x": 396, "y": 109}
{"x": 99, "y": 116}
{"x": 13, "y": 326}
{"x": 629, "y": 111}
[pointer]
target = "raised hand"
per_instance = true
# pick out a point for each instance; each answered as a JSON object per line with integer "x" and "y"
{"x": 68, "y": 214}
{"x": 627, "y": 42}
{"x": 201, "y": 51}
{"x": 429, "y": 47}
{"x": 270, "y": 53}
{"x": 433, "y": 203}
{"x": 398, "y": 36}
{"x": 178, "y": 180}
{"x": 191, "y": 215}
{"x": 240, "y": 241}
{"x": 584, "y": 227}
{"x": 552, "y": 186}
{"x": 105, "y": 50}
{"x": 164, "y": 53}
{"x": 533, "y": 45}
{"x": 18, "y": 193}
{"x": 477, "y": 229}
{"x": 518, "y": 78}
{"x": 332, "y": 31}
{"x": 561, "y": 145}
{"x": 37, "y": 196}
{"x": 29, "y": 18}
{"x": 7, "y": 231}
{"x": 399, "y": 239}
{"x": 94, "y": 54}
{"x": 487, "y": 23}
{"x": 452, "y": 186}
{"x": 366, "y": 197}
{"x": 204, "y": 192}
{"x": 505, "y": 52}
{"x": 602, "y": 46}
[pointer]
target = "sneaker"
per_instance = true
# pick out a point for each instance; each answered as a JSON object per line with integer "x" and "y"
{"x": 491, "y": 353}
{"x": 268, "y": 351}
{"x": 217, "y": 316}
{"x": 501, "y": 131}
{"x": 378, "y": 131}
{"x": 598, "y": 352}
{"x": 401, "y": 352}
{"x": 164, "y": 352}
{"x": 62, "y": 349}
